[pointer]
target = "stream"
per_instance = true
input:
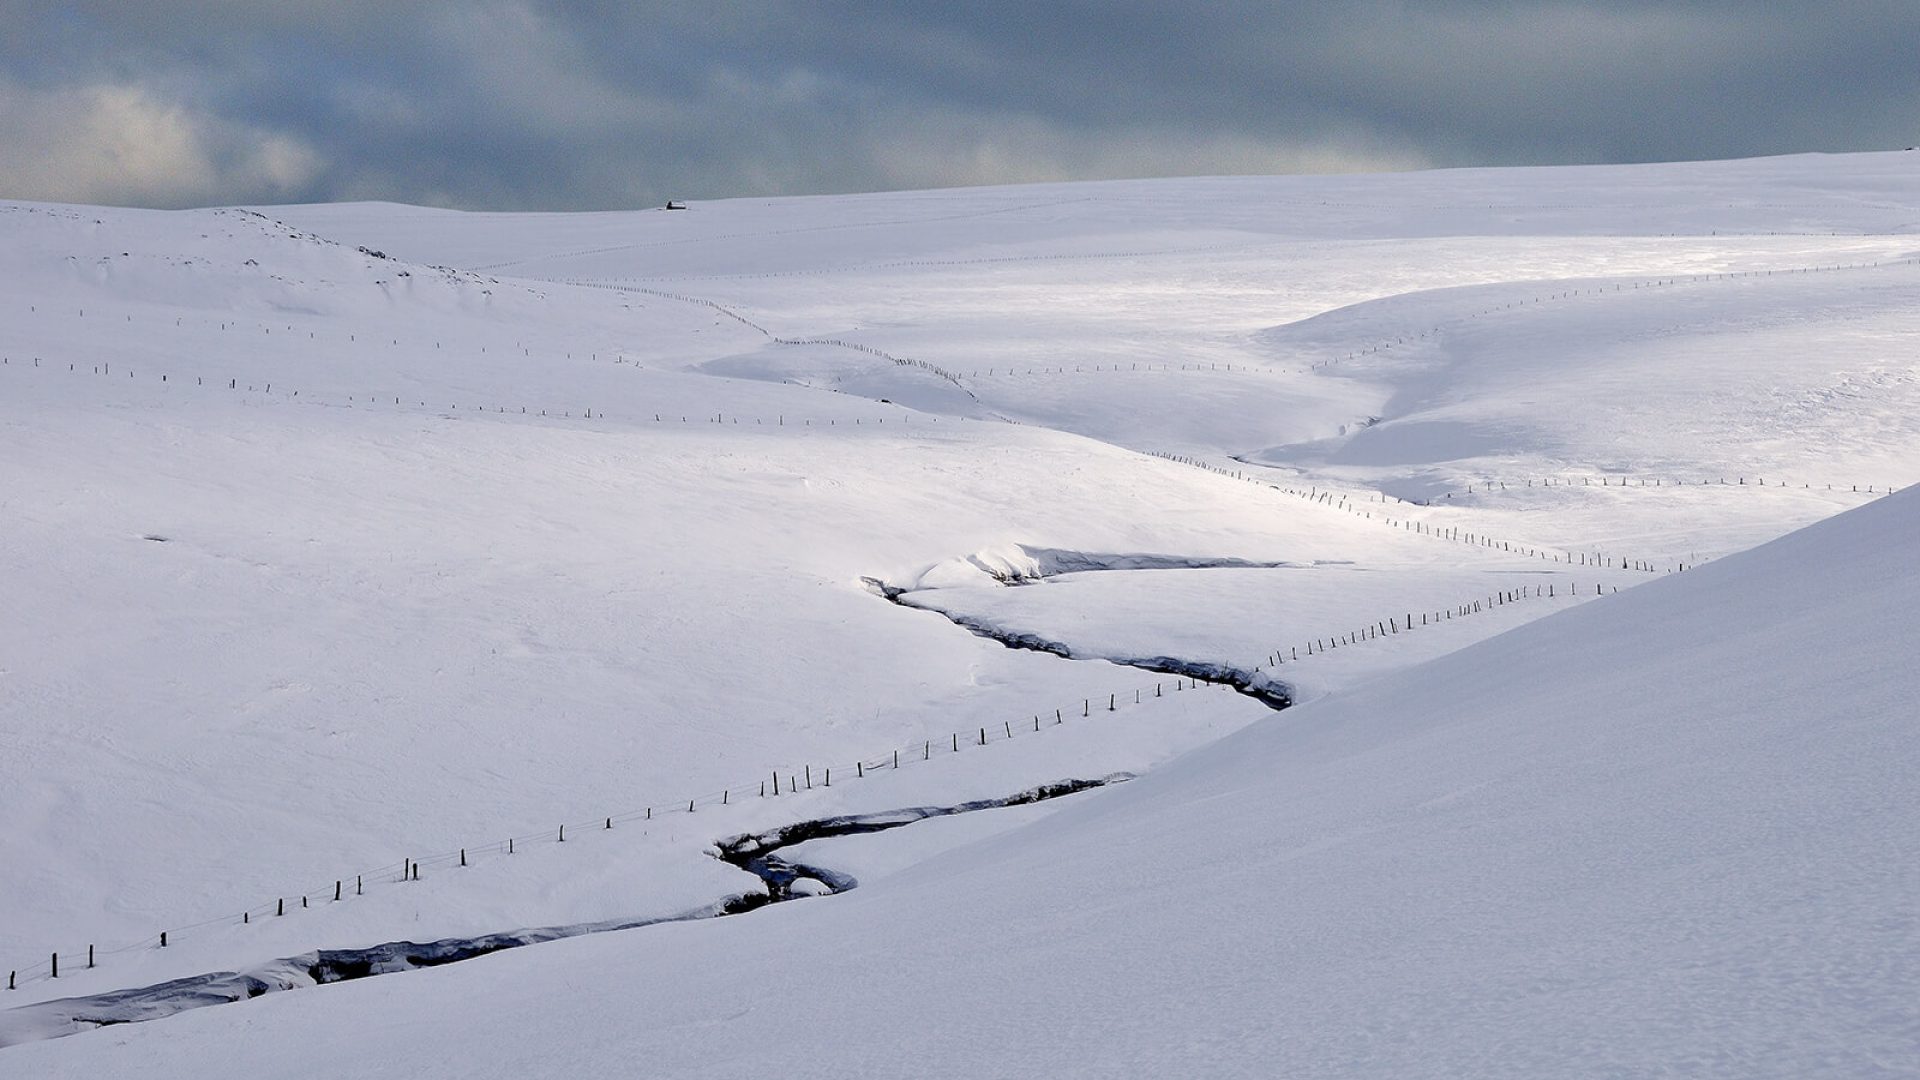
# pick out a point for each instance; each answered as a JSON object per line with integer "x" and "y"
{"x": 1257, "y": 685}
{"x": 755, "y": 853}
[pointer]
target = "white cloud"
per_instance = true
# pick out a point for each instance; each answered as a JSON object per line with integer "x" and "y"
{"x": 121, "y": 143}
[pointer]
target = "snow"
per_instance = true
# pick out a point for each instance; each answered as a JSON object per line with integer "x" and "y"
{"x": 324, "y": 599}
{"x": 1669, "y": 832}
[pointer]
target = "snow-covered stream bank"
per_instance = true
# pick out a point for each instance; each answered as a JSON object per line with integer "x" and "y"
{"x": 755, "y": 853}
{"x": 1262, "y": 688}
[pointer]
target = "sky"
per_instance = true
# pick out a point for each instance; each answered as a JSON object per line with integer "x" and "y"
{"x": 607, "y": 104}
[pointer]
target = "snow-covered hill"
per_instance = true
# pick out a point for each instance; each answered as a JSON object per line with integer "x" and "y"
{"x": 343, "y": 537}
{"x": 1667, "y": 833}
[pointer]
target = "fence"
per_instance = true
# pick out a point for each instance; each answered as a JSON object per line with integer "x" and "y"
{"x": 955, "y": 378}
{"x": 1380, "y": 346}
{"x": 1620, "y": 481}
{"x": 1395, "y": 625}
{"x": 235, "y": 384}
{"x": 899, "y": 361}
{"x": 1595, "y": 558}
{"x": 587, "y": 412}
{"x": 409, "y": 868}
{"x": 1595, "y": 290}
{"x": 1344, "y": 502}
{"x": 777, "y": 783}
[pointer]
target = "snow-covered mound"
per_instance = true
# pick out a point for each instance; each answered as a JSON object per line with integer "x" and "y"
{"x": 1668, "y": 833}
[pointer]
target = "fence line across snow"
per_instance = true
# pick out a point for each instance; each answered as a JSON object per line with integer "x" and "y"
{"x": 1339, "y": 501}
{"x": 235, "y": 384}
{"x": 776, "y": 783}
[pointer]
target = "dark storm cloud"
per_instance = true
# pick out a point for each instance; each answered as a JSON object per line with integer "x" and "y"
{"x": 574, "y": 103}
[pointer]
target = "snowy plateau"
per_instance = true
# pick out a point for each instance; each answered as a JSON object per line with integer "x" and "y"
{"x": 1441, "y": 624}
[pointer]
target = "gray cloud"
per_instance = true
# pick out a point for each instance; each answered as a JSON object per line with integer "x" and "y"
{"x": 555, "y": 104}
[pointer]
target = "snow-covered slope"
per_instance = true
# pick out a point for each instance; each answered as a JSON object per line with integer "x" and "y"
{"x": 344, "y": 540}
{"x": 301, "y": 593}
{"x": 1667, "y": 834}
{"x": 1412, "y": 332}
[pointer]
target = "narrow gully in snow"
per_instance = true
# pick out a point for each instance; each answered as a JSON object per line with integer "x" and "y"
{"x": 1267, "y": 691}
{"x": 755, "y": 853}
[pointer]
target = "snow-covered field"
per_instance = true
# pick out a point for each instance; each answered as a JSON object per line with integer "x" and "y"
{"x": 338, "y": 538}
